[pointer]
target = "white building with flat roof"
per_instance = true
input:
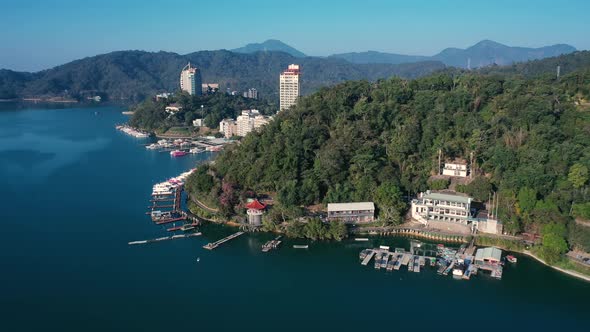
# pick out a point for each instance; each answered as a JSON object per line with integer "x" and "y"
{"x": 173, "y": 108}
{"x": 357, "y": 212}
{"x": 289, "y": 87}
{"x": 431, "y": 207}
{"x": 455, "y": 169}
{"x": 447, "y": 207}
{"x": 228, "y": 127}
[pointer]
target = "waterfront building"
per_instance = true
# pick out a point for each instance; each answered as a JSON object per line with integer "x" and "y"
{"x": 207, "y": 88}
{"x": 251, "y": 93}
{"x": 255, "y": 212}
{"x": 289, "y": 87}
{"x": 455, "y": 168}
{"x": 228, "y": 127}
{"x": 173, "y": 108}
{"x": 357, "y": 212}
{"x": 431, "y": 206}
{"x": 190, "y": 80}
{"x": 489, "y": 256}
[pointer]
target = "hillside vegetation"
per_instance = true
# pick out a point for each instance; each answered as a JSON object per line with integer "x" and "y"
{"x": 132, "y": 76}
{"x": 362, "y": 141}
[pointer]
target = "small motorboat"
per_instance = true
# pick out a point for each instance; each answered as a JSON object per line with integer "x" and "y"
{"x": 198, "y": 259}
{"x": 511, "y": 259}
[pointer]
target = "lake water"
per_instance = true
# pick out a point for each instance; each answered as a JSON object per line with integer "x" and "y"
{"x": 75, "y": 190}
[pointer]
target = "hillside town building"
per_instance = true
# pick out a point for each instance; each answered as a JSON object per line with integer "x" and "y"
{"x": 357, "y": 212}
{"x": 190, "y": 80}
{"x": 433, "y": 207}
{"x": 289, "y": 87}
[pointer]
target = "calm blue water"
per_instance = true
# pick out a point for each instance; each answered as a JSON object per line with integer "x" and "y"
{"x": 74, "y": 192}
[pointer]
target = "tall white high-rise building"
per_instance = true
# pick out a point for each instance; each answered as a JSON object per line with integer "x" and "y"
{"x": 190, "y": 80}
{"x": 289, "y": 87}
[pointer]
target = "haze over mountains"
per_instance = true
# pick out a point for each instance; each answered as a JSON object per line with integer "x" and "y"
{"x": 269, "y": 45}
{"x": 482, "y": 54}
{"x": 134, "y": 75}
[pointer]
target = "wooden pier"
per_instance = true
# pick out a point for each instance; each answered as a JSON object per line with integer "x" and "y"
{"x": 167, "y": 221}
{"x": 165, "y": 238}
{"x": 213, "y": 245}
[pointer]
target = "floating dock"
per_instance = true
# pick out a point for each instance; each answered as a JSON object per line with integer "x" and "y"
{"x": 164, "y": 238}
{"x": 368, "y": 258}
{"x": 272, "y": 244}
{"x": 213, "y": 245}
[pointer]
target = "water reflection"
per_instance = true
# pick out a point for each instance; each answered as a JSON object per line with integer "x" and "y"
{"x": 41, "y": 155}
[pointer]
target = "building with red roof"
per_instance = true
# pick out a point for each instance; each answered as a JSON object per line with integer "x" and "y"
{"x": 255, "y": 212}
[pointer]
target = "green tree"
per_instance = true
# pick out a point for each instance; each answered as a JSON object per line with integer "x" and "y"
{"x": 578, "y": 175}
{"x": 315, "y": 230}
{"x": 553, "y": 247}
{"x": 527, "y": 198}
{"x": 388, "y": 198}
{"x": 338, "y": 230}
{"x": 295, "y": 229}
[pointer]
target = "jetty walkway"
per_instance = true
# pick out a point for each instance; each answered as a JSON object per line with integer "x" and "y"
{"x": 217, "y": 243}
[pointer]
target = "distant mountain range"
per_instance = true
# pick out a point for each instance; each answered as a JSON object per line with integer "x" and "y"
{"x": 482, "y": 54}
{"x": 134, "y": 75}
{"x": 271, "y": 45}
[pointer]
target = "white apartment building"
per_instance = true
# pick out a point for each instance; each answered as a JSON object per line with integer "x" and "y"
{"x": 289, "y": 87}
{"x": 431, "y": 206}
{"x": 228, "y": 127}
{"x": 190, "y": 80}
{"x": 356, "y": 212}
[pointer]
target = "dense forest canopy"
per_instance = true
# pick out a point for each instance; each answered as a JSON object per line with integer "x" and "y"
{"x": 363, "y": 141}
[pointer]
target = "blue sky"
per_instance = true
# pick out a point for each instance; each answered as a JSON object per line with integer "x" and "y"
{"x": 39, "y": 34}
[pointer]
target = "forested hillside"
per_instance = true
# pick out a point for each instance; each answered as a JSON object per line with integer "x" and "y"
{"x": 132, "y": 76}
{"x": 362, "y": 141}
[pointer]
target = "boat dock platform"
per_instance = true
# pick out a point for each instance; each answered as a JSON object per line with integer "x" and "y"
{"x": 213, "y": 245}
{"x": 446, "y": 261}
{"x": 164, "y": 238}
{"x": 368, "y": 258}
{"x": 185, "y": 227}
{"x": 272, "y": 244}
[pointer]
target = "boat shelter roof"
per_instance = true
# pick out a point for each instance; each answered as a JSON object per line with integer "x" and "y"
{"x": 355, "y": 206}
{"x": 490, "y": 253}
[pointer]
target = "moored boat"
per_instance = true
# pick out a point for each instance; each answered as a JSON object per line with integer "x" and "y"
{"x": 511, "y": 259}
{"x": 177, "y": 153}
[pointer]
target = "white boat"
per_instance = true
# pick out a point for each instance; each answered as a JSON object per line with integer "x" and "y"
{"x": 196, "y": 150}
{"x": 137, "y": 242}
{"x": 300, "y": 246}
{"x": 457, "y": 272}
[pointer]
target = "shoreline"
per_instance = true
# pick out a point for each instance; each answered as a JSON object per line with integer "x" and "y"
{"x": 428, "y": 237}
{"x": 569, "y": 272}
